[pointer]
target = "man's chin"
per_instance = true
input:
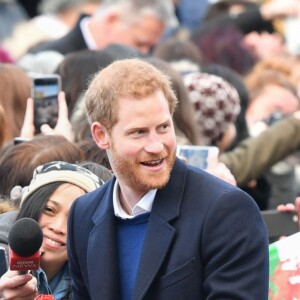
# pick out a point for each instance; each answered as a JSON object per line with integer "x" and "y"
{"x": 155, "y": 183}
{"x": 158, "y": 181}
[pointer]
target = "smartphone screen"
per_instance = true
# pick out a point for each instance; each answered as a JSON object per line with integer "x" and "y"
{"x": 291, "y": 34}
{"x": 199, "y": 156}
{"x": 3, "y": 261}
{"x": 45, "y": 95}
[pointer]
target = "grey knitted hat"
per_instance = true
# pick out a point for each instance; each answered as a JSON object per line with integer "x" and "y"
{"x": 62, "y": 171}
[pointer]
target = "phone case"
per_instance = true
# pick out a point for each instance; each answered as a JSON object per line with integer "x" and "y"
{"x": 280, "y": 223}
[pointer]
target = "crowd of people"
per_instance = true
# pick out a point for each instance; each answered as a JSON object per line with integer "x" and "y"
{"x": 138, "y": 78}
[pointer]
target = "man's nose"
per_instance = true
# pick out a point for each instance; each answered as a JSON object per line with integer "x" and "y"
{"x": 154, "y": 144}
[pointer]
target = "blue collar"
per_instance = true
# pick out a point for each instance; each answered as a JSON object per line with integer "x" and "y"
{"x": 59, "y": 286}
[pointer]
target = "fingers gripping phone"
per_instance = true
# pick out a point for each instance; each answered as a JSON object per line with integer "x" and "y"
{"x": 44, "y": 93}
{"x": 280, "y": 223}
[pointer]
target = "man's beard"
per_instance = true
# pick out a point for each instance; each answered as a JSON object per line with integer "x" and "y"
{"x": 137, "y": 177}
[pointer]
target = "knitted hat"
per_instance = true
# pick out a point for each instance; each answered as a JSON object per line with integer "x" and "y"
{"x": 61, "y": 171}
{"x": 216, "y": 103}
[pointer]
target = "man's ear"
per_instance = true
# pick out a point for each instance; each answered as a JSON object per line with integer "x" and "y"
{"x": 100, "y": 135}
{"x": 113, "y": 16}
{"x": 110, "y": 20}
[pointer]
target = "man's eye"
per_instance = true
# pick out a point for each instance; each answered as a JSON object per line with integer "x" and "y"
{"x": 138, "y": 132}
{"x": 164, "y": 126}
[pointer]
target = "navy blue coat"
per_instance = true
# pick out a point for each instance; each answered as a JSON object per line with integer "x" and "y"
{"x": 205, "y": 240}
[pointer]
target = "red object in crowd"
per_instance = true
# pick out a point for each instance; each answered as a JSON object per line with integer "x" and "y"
{"x": 44, "y": 297}
{"x": 5, "y": 57}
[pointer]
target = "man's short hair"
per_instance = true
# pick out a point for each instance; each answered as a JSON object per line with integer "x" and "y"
{"x": 132, "y": 78}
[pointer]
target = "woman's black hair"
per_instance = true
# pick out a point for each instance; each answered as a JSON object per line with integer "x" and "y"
{"x": 34, "y": 206}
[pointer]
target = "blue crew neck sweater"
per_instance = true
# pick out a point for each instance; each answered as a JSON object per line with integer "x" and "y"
{"x": 131, "y": 234}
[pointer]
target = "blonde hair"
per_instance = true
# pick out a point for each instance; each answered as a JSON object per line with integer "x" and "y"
{"x": 269, "y": 72}
{"x": 131, "y": 78}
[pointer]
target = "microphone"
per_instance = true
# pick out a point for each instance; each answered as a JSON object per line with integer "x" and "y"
{"x": 25, "y": 239}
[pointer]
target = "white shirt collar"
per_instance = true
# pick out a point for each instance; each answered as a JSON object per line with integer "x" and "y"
{"x": 88, "y": 38}
{"x": 143, "y": 206}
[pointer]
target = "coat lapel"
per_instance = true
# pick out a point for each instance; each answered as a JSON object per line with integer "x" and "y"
{"x": 160, "y": 233}
{"x": 102, "y": 252}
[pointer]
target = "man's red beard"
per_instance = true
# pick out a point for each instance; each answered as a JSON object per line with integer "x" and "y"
{"x": 133, "y": 174}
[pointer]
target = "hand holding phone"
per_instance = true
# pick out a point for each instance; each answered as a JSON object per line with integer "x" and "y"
{"x": 63, "y": 126}
{"x": 280, "y": 223}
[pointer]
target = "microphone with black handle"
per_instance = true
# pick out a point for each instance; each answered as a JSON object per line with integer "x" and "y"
{"x": 25, "y": 239}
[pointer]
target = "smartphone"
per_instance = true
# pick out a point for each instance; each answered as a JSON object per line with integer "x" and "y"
{"x": 280, "y": 223}
{"x": 291, "y": 34}
{"x": 44, "y": 93}
{"x": 199, "y": 156}
{"x": 3, "y": 261}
